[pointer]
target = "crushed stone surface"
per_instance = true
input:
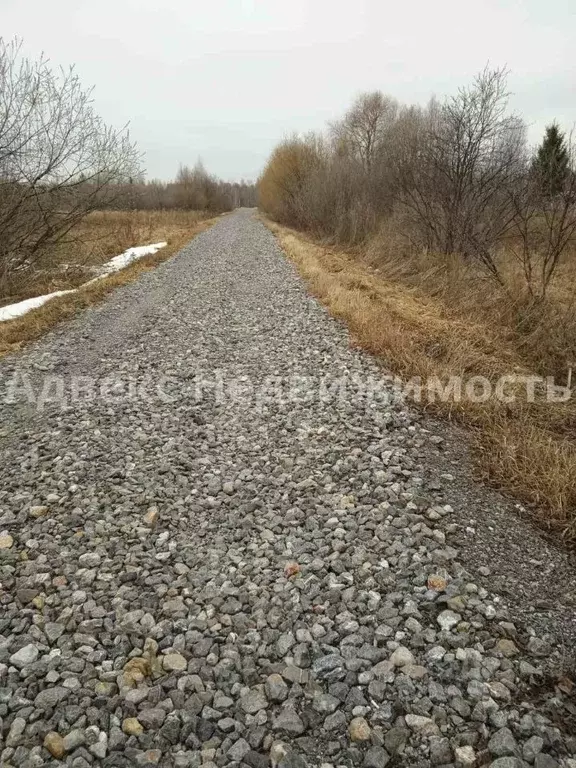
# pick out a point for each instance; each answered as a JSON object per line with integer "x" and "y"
{"x": 223, "y": 542}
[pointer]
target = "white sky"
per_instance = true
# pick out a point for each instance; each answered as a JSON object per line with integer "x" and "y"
{"x": 226, "y": 79}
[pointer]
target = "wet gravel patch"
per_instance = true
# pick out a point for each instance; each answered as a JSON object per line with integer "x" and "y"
{"x": 222, "y": 544}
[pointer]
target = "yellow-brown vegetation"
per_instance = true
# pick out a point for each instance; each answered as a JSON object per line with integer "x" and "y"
{"x": 98, "y": 238}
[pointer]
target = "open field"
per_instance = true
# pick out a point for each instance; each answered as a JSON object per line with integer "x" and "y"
{"x": 434, "y": 323}
{"x": 101, "y": 236}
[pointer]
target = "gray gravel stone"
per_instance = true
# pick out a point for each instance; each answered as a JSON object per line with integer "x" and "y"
{"x": 448, "y": 619}
{"x": 395, "y": 739}
{"x": 53, "y": 631}
{"x": 542, "y": 760}
{"x": 325, "y": 703}
{"x": 402, "y": 656}
{"x": 174, "y": 662}
{"x": 465, "y": 756}
{"x": 503, "y": 743}
{"x": 14, "y": 736}
{"x": 152, "y": 718}
{"x": 376, "y": 757}
{"x": 73, "y": 740}
{"x": 25, "y": 656}
{"x": 440, "y": 751}
{"x": 532, "y": 747}
{"x": 275, "y": 688}
{"x": 50, "y": 697}
{"x": 254, "y": 700}
{"x": 289, "y": 722}
{"x": 238, "y": 750}
{"x": 89, "y": 560}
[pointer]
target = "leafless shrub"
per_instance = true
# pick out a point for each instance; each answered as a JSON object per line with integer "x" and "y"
{"x": 311, "y": 184}
{"x": 58, "y": 159}
{"x": 196, "y": 190}
{"x": 193, "y": 189}
{"x": 362, "y": 150}
{"x": 284, "y": 185}
{"x": 465, "y": 155}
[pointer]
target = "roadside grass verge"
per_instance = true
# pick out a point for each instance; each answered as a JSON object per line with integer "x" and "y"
{"x": 110, "y": 233}
{"x": 96, "y": 239}
{"x": 526, "y": 448}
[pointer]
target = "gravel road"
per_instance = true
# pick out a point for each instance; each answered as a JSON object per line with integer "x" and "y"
{"x": 225, "y": 540}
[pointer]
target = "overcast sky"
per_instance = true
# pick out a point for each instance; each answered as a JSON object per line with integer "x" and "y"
{"x": 226, "y": 79}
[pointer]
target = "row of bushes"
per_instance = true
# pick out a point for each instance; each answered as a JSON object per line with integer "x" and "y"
{"x": 454, "y": 177}
{"x": 193, "y": 189}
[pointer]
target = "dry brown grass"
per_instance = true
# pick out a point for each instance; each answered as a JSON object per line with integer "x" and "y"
{"x": 99, "y": 237}
{"x": 526, "y": 448}
{"x": 543, "y": 333}
{"x": 107, "y": 234}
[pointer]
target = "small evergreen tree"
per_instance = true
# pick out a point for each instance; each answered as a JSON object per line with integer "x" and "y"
{"x": 551, "y": 161}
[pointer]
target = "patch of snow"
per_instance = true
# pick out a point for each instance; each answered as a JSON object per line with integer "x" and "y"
{"x": 132, "y": 254}
{"x": 12, "y": 311}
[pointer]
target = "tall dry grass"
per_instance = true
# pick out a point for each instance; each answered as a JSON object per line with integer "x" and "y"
{"x": 543, "y": 330}
{"x": 429, "y": 318}
{"x": 101, "y": 236}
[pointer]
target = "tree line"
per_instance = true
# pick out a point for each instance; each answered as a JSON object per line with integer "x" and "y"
{"x": 59, "y": 161}
{"x": 454, "y": 177}
{"x": 193, "y": 189}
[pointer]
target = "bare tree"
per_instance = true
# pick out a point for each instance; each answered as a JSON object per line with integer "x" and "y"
{"x": 456, "y": 176}
{"x": 365, "y": 126}
{"x": 466, "y": 154}
{"x": 58, "y": 159}
{"x": 194, "y": 189}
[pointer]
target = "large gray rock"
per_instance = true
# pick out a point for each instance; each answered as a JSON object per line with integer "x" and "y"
{"x": 254, "y": 700}
{"x": 49, "y": 698}
{"x": 288, "y": 721}
{"x": 376, "y": 757}
{"x": 25, "y": 656}
{"x": 503, "y": 743}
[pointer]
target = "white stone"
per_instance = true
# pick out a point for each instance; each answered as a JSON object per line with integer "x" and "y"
{"x": 448, "y": 619}
{"x": 89, "y": 560}
{"x": 465, "y": 756}
{"x": 423, "y": 725}
{"x": 174, "y": 662}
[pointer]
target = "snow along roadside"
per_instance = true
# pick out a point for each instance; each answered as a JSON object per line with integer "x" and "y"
{"x": 12, "y": 311}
